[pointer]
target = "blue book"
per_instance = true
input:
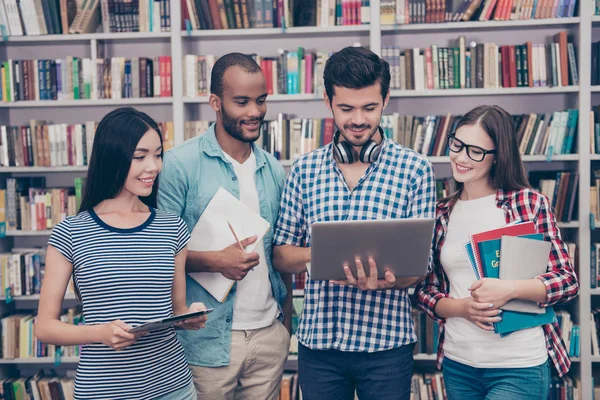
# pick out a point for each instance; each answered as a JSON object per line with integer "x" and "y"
{"x": 511, "y": 320}
{"x": 469, "y": 250}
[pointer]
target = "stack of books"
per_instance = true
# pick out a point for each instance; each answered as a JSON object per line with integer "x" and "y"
{"x": 524, "y": 255}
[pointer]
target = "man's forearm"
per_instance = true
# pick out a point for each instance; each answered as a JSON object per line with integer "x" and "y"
{"x": 290, "y": 259}
{"x": 203, "y": 261}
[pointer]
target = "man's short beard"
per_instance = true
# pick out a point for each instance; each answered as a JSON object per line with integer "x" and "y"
{"x": 231, "y": 126}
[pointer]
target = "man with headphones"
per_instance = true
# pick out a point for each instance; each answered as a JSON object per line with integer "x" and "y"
{"x": 355, "y": 336}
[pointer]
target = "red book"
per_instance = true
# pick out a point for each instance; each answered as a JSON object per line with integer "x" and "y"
{"x": 512, "y": 65}
{"x": 525, "y": 228}
{"x": 308, "y": 81}
{"x": 328, "y": 131}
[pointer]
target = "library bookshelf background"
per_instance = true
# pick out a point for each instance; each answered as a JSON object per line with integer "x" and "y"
{"x": 173, "y": 103}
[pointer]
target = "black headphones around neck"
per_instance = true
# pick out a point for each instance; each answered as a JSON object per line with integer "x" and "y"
{"x": 368, "y": 154}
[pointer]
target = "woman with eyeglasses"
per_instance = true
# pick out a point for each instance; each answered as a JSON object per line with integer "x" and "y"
{"x": 492, "y": 190}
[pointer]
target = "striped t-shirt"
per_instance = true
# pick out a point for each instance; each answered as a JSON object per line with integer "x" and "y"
{"x": 126, "y": 274}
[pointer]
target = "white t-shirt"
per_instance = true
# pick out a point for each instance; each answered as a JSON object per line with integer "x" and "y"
{"x": 255, "y": 307}
{"x": 464, "y": 341}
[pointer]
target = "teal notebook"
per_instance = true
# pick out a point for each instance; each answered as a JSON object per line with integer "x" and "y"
{"x": 511, "y": 320}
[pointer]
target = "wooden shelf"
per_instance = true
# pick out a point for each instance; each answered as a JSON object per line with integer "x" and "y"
{"x": 87, "y": 103}
{"x": 596, "y": 19}
{"x": 595, "y": 89}
{"x": 304, "y": 30}
{"x": 88, "y": 36}
{"x": 483, "y": 92}
{"x": 595, "y": 291}
{"x": 481, "y": 25}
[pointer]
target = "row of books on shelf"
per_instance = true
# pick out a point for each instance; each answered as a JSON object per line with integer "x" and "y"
{"x": 560, "y": 187}
{"x": 288, "y": 138}
{"x": 38, "y": 388}
{"x": 27, "y": 204}
{"x": 22, "y": 272}
{"x": 424, "y": 386}
{"x": 595, "y": 324}
{"x": 76, "y": 78}
{"x": 421, "y": 11}
{"x": 478, "y": 65}
{"x": 483, "y": 65}
{"x": 19, "y": 341}
{"x": 41, "y": 17}
{"x": 595, "y": 195}
{"x": 299, "y": 281}
{"x": 43, "y": 144}
{"x": 595, "y": 130}
{"x": 595, "y": 73}
{"x": 53, "y": 17}
{"x": 248, "y": 14}
{"x": 550, "y": 133}
{"x": 290, "y": 72}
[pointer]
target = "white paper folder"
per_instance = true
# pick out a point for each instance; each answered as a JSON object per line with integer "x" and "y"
{"x": 522, "y": 258}
{"x": 212, "y": 233}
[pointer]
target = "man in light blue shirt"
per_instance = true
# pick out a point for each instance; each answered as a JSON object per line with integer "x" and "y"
{"x": 242, "y": 351}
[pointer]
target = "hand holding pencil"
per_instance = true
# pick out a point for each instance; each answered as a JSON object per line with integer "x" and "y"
{"x": 233, "y": 261}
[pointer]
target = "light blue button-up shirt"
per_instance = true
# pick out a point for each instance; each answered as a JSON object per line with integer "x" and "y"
{"x": 190, "y": 177}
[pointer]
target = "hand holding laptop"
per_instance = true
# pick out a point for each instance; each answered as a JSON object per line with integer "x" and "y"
{"x": 371, "y": 282}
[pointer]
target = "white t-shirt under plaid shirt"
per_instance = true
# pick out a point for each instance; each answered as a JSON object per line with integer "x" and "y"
{"x": 400, "y": 184}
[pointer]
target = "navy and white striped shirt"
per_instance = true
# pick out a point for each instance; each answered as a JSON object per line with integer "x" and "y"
{"x": 126, "y": 274}
{"x": 400, "y": 184}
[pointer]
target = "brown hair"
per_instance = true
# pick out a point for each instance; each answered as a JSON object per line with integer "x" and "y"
{"x": 507, "y": 173}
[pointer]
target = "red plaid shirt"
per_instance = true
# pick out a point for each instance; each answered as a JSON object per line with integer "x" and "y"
{"x": 560, "y": 280}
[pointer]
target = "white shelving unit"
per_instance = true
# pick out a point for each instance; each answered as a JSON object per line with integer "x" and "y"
{"x": 481, "y": 25}
{"x": 180, "y": 108}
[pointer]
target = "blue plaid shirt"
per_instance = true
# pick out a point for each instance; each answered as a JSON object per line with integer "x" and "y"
{"x": 400, "y": 184}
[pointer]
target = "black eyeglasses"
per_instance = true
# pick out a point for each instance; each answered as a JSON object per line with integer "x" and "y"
{"x": 475, "y": 153}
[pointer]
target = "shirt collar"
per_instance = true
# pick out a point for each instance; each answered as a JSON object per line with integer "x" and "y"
{"x": 213, "y": 149}
{"x": 502, "y": 197}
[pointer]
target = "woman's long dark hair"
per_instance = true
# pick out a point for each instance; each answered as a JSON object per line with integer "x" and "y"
{"x": 507, "y": 173}
{"x": 115, "y": 141}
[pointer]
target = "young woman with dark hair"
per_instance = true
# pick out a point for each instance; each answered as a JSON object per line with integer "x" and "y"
{"x": 493, "y": 190}
{"x": 128, "y": 264}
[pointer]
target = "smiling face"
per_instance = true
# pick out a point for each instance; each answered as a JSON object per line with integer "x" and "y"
{"x": 357, "y": 112}
{"x": 243, "y": 104}
{"x": 145, "y": 165}
{"x": 464, "y": 169}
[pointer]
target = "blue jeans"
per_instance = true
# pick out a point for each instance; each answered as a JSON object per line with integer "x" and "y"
{"x": 186, "y": 393}
{"x": 332, "y": 374}
{"x": 468, "y": 383}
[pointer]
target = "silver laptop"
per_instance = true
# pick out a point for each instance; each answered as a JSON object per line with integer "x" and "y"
{"x": 399, "y": 245}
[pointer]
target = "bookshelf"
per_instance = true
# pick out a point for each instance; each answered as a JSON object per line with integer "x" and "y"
{"x": 179, "y": 108}
{"x": 481, "y": 25}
